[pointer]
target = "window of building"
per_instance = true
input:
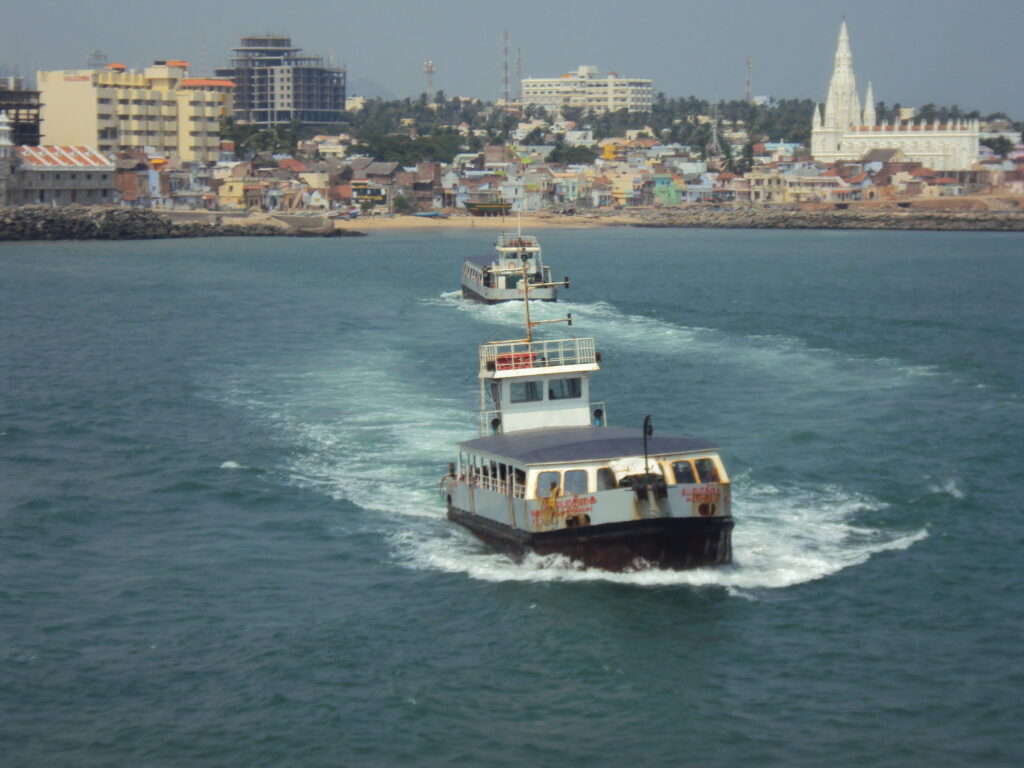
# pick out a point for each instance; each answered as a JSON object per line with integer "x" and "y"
{"x": 525, "y": 391}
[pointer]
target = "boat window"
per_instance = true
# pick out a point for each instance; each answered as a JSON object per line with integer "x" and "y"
{"x": 563, "y": 389}
{"x": 605, "y": 479}
{"x": 496, "y": 393}
{"x": 575, "y": 481}
{"x": 706, "y": 470}
{"x": 683, "y": 471}
{"x": 525, "y": 391}
{"x": 544, "y": 482}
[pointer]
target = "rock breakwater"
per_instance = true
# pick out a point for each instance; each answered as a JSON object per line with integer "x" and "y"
{"x": 74, "y": 223}
{"x": 750, "y": 217}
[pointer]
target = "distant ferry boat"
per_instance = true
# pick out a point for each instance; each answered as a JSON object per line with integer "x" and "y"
{"x": 548, "y": 476}
{"x": 491, "y": 279}
{"x": 489, "y": 205}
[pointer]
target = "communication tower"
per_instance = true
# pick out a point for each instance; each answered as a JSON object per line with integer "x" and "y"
{"x": 429, "y": 68}
{"x": 749, "y": 96}
{"x": 504, "y": 87}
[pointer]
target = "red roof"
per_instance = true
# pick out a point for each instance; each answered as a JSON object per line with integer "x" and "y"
{"x": 64, "y": 157}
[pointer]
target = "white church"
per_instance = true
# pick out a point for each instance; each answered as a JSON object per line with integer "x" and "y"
{"x": 848, "y": 132}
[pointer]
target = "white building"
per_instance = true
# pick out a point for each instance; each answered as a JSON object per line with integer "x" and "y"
{"x": 847, "y": 132}
{"x": 585, "y": 89}
{"x": 52, "y": 175}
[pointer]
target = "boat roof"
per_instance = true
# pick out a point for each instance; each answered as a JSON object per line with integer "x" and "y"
{"x": 569, "y": 444}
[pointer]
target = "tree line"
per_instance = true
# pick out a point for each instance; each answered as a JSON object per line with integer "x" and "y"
{"x": 412, "y": 130}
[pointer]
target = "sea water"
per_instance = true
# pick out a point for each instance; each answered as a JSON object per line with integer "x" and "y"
{"x": 221, "y": 539}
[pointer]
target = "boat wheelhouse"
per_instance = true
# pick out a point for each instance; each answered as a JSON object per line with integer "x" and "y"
{"x": 548, "y": 476}
{"x": 500, "y": 277}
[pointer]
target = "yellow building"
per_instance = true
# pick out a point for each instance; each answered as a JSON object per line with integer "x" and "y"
{"x": 114, "y": 109}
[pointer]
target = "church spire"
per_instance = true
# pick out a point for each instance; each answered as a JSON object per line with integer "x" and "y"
{"x": 869, "y": 107}
{"x": 842, "y": 108}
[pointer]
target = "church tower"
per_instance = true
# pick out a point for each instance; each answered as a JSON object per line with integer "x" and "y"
{"x": 846, "y": 132}
{"x": 842, "y": 107}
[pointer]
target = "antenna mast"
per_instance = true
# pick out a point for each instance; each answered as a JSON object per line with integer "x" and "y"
{"x": 749, "y": 95}
{"x": 504, "y": 89}
{"x": 519, "y": 74}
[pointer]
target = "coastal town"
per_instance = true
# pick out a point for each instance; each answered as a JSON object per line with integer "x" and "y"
{"x": 275, "y": 136}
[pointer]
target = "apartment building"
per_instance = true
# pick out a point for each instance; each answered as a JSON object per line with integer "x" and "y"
{"x": 586, "y": 89}
{"x": 276, "y": 84}
{"x": 21, "y": 106}
{"x": 115, "y": 109}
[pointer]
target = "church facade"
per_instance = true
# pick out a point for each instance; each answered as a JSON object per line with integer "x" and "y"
{"x": 848, "y": 132}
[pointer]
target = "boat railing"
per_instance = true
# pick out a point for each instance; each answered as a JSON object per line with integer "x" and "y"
{"x": 547, "y": 353}
{"x": 514, "y": 240}
{"x": 491, "y": 483}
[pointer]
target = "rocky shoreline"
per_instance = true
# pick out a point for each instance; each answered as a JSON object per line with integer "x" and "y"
{"x": 109, "y": 223}
{"x": 81, "y": 223}
{"x": 751, "y": 217}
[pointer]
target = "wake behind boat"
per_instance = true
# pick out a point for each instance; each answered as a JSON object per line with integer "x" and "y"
{"x": 548, "y": 476}
{"x": 503, "y": 276}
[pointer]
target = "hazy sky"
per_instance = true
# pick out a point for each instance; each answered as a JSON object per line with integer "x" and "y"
{"x": 914, "y": 51}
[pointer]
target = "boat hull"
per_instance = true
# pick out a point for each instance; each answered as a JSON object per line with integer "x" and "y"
{"x": 499, "y": 296}
{"x": 670, "y": 543}
{"x": 488, "y": 209}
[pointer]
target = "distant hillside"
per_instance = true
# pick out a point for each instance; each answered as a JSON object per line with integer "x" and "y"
{"x": 362, "y": 86}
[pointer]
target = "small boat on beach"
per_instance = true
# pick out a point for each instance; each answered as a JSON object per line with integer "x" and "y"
{"x": 487, "y": 205}
{"x": 548, "y": 476}
{"x": 501, "y": 277}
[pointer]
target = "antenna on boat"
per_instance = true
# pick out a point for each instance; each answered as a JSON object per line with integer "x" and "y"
{"x": 525, "y": 282}
{"x": 648, "y": 431}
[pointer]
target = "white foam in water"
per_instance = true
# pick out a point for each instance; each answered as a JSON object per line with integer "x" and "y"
{"x": 949, "y": 487}
{"x": 783, "y": 537}
{"x": 774, "y": 355}
{"x": 231, "y": 465}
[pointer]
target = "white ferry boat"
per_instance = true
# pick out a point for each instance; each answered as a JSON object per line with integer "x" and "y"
{"x": 491, "y": 279}
{"x": 547, "y": 475}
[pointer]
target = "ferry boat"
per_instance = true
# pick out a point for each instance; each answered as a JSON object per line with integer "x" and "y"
{"x": 547, "y": 474}
{"x": 492, "y": 279}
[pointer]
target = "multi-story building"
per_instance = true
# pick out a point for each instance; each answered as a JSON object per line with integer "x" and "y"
{"x": 116, "y": 110}
{"x": 275, "y": 84}
{"x": 52, "y": 175}
{"x": 22, "y": 108}
{"x": 847, "y": 132}
{"x": 585, "y": 89}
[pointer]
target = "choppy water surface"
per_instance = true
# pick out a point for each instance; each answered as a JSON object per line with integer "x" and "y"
{"x": 222, "y": 542}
